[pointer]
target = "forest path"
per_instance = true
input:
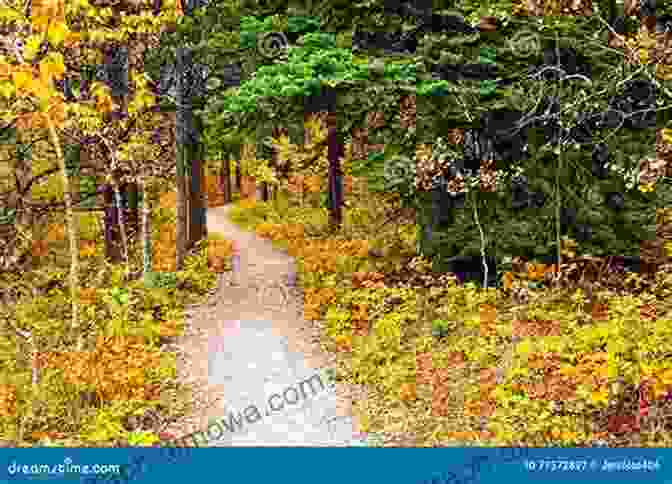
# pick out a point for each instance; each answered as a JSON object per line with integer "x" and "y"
{"x": 248, "y": 345}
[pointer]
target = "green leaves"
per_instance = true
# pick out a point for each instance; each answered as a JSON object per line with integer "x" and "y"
{"x": 157, "y": 280}
{"x": 7, "y": 215}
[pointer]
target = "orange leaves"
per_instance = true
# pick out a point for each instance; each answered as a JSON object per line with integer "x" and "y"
{"x": 348, "y": 184}
{"x": 536, "y": 272}
{"x": 116, "y": 367}
{"x": 280, "y": 231}
{"x": 532, "y": 272}
{"x": 600, "y": 312}
{"x": 40, "y": 248}
{"x": 344, "y": 342}
{"x": 7, "y": 400}
{"x": 647, "y": 312}
{"x": 508, "y": 280}
{"x": 360, "y": 311}
{"x": 367, "y": 280}
{"x": 564, "y": 435}
{"x": 170, "y": 328}
{"x": 87, "y": 248}
{"x": 164, "y": 250}
{"x": 656, "y": 381}
{"x": 168, "y": 200}
{"x": 218, "y": 252}
{"x": 295, "y": 184}
{"x": 313, "y": 184}
{"x": 360, "y": 319}
{"x": 480, "y": 407}
{"x": 47, "y": 9}
{"x": 322, "y": 256}
{"x": 424, "y": 366}
{"x": 87, "y": 295}
{"x": 439, "y": 378}
{"x": 55, "y": 232}
{"x": 488, "y": 317}
{"x": 525, "y": 328}
{"x": 469, "y": 435}
{"x": 407, "y": 392}
{"x": 314, "y": 299}
{"x": 212, "y": 188}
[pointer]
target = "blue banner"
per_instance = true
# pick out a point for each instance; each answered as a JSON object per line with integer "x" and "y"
{"x": 336, "y": 465}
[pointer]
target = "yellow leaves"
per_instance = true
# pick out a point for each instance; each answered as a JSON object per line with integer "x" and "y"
{"x": 22, "y": 79}
{"x": 142, "y": 99}
{"x": 31, "y": 47}
{"x": 649, "y": 187}
{"x": 7, "y": 90}
{"x": 524, "y": 348}
{"x": 666, "y": 377}
{"x": 599, "y": 397}
{"x": 664, "y": 72}
{"x": 57, "y": 33}
{"x": 667, "y": 136}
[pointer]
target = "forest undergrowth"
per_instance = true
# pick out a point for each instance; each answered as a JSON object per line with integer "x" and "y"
{"x": 121, "y": 388}
{"x": 575, "y": 358}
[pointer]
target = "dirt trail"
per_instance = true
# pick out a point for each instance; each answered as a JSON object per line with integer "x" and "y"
{"x": 264, "y": 303}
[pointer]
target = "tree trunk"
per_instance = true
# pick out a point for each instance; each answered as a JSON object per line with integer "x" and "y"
{"x": 146, "y": 227}
{"x": 238, "y": 175}
{"x": 112, "y": 247}
{"x": 74, "y": 239}
{"x": 335, "y": 176}
{"x": 197, "y": 212}
{"x": 225, "y": 180}
{"x": 120, "y": 220}
{"x": 181, "y": 209}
